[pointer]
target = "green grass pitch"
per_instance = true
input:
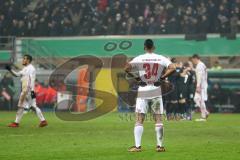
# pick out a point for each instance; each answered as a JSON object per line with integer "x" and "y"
{"x": 109, "y": 136}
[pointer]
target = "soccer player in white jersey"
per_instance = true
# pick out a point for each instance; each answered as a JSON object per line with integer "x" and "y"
{"x": 27, "y": 97}
{"x": 150, "y": 67}
{"x": 201, "y": 87}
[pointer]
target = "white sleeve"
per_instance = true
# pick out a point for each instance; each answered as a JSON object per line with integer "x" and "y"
{"x": 166, "y": 62}
{"x": 17, "y": 74}
{"x": 134, "y": 62}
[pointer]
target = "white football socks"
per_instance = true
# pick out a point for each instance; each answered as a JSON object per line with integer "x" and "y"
{"x": 159, "y": 134}
{"x": 39, "y": 114}
{"x": 19, "y": 115}
{"x": 138, "y": 131}
{"x": 204, "y": 111}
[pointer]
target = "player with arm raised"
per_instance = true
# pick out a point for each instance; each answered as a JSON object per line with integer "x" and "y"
{"x": 201, "y": 86}
{"x": 150, "y": 67}
{"x": 27, "y": 97}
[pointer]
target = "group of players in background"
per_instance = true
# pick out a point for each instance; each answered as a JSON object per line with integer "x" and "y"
{"x": 179, "y": 103}
{"x": 190, "y": 90}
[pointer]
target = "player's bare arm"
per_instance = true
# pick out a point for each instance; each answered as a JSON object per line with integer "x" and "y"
{"x": 171, "y": 68}
{"x": 128, "y": 68}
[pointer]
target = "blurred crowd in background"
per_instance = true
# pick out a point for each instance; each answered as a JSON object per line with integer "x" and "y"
{"x": 120, "y": 17}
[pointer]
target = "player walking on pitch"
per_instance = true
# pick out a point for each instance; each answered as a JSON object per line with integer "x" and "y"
{"x": 201, "y": 87}
{"x": 150, "y": 67}
{"x": 27, "y": 97}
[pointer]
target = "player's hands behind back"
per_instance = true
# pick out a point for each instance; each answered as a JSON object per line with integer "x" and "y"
{"x": 141, "y": 83}
{"x": 158, "y": 83}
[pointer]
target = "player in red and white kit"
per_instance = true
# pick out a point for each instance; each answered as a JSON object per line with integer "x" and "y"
{"x": 201, "y": 95}
{"x": 27, "y": 97}
{"x": 150, "y": 67}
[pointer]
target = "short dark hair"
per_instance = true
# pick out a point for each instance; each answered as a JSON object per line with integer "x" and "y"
{"x": 196, "y": 56}
{"x": 148, "y": 44}
{"x": 173, "y": 60}
{"x": 28, "y": 57}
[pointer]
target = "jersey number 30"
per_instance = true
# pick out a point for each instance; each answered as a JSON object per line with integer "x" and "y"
{"x": 150, "y": 71}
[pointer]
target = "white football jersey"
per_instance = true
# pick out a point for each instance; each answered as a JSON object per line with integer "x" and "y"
{"x": 150, "y": 67}
{"x": 28, "y": 76}
{"x": 202, "y": 75}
